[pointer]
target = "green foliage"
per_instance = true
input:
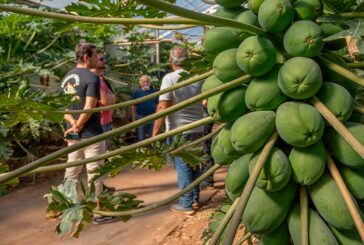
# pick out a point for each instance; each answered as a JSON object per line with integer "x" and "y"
{"x": 74, "y": 209}
{"x": 3, "y": 169}
{"x": 215, "y": 220}
{"x": 156, "y": 156}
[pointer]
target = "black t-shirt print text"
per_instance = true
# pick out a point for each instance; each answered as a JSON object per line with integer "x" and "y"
{"x": 81, "y": 82}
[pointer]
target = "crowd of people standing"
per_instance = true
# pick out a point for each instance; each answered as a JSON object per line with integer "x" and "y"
{"x": 87, "y": 84}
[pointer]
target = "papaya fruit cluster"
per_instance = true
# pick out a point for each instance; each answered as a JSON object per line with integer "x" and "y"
{"x": 285, "y": 73}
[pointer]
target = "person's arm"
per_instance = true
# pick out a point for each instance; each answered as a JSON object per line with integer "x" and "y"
{"x": 91, "y": 102}
{"x": 69, "y": 118}
{"x": 158, "y": 124}
{"x": 104, "y": 98}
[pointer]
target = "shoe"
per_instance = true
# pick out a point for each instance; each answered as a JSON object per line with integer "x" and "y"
{"x": 104, "y": 220}
{"x": 179, "y": 209}
{"x": 195, "y": 205}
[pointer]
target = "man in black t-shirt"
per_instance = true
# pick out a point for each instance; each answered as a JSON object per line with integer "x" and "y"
{"x": 85, "y": 87}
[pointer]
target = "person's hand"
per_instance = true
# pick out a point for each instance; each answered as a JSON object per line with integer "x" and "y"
{"x": 204, "y": 102}
{"x": 73, "y": 129}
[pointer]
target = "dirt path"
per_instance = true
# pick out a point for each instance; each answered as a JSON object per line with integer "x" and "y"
{"x": 22, "y": 213}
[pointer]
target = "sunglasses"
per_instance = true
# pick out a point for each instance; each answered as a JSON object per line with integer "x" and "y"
{"x": 102, "y": 59}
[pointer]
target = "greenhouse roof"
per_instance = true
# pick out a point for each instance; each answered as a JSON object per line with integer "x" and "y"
{"x": 192, "y": 35}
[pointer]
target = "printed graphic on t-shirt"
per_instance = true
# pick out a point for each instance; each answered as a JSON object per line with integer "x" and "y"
{"x": 69, "y": 85}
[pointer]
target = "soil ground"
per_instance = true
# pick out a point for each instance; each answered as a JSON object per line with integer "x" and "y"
{"x": 22, "y": 214}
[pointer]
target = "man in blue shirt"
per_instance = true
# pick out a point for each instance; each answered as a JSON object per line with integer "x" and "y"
{"x": 144, "y": 109}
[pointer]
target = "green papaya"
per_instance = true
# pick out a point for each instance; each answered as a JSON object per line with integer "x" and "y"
{"x": 256, "y": 55}
{"x": 230, "y": 3}
{"x": 237, "y": 176}
{"x": 254, "y": 5}
{"x": 337, "y": 99}
{"x": 354, "y": 180}
{"x": 280, "y": 236}
{"x": 299, "y": 124}
{"x": 222, "y": 150}
{"x": 330, "y": 29}
{"x": 303, "y": 38}
{"x": 300, "y": 78}
{"x": 331, "y": 76}
{"x": 247, "y": 17}
{"x": 329, "y": 203}
{"x": 275, "y": 15}
{"x": 341, "y": 149}
{"x": 210, "y": 83}
{"x": 346, "y": 237}
{"x": 276, "y": 171}
{"x": 225, "y": 66}
{"x": 250, "y": 132}
{"x": 266, "y": 211}
{"x": 308, "y": 164}
{"x": 230, "y": 13}
{"x": 263, "y": 92}
{"x": 219, "y": 39}
{"x": 308, "y": 9}
{"x": 227, "y": 106}
{"x": 318, "y": 232}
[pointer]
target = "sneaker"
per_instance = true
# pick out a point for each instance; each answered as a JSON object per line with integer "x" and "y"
{"x": 104, "y": 220}
{"x": 179, "y": 209}
{"x": 195, "y": 205}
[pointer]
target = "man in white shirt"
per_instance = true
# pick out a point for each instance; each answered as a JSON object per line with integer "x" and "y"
{"x": 185, "y": 174}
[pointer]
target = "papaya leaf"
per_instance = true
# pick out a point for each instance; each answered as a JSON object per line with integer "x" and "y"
{"x": 355, "y": 30}
{"x": 5, "y": 149}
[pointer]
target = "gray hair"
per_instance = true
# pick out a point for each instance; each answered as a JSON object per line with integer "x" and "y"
{"x": 178, "y": 55}
{"x": 145, "y": 76}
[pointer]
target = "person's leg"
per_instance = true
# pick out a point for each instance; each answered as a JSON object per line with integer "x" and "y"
{"x": 196, "y": 172}
{"x": 184, "y": 178}
{"x": 74, "y": 172}
{"x": 107, "y": 128}
{"x": 149, "y": 129}
{"x": 91, "y": 151}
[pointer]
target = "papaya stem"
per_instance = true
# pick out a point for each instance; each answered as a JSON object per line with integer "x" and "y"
{"x": 212, "y": 2}
{"x": 341, "y": 71}
{"x": 213, "y": 20}
{"x": 145, "y": 142}
{"x": 245, "y": 237}
{"x": 304, "y": 215}
{"x": 353, "y": 209}
{"x": 169, "y": 27}
{"x": 84, "y": 143}
{"x": 245, "y": 195}
{"x": 163, "y": 202}
{"x": 98, "y": 20}
{"x": 196, "y": 142}
{"x": 143, "y": 99}
{"x": 353, "y": 15}
{"x": 338, "y": 126}
{"x": 359, "y": 65}
{"x": 359, "y": 109}
{"x": 220, "y": 230}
